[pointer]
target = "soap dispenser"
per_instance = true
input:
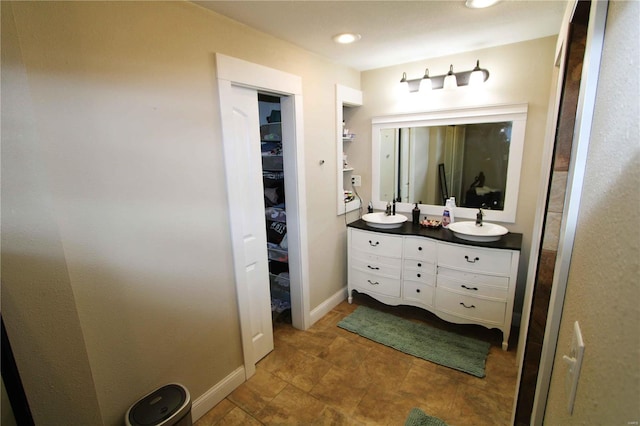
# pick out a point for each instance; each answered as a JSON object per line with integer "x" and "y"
{"x": 446, "y": 214}
{"x": 416, "y": 214}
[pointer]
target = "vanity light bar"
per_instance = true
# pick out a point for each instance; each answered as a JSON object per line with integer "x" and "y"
{"x": 462, "y": 78}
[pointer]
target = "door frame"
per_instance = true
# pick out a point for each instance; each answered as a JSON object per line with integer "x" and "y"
{"x": 575, "y": 179}
{"x": 236, "y": 72}
{"x": 579, "y": 150}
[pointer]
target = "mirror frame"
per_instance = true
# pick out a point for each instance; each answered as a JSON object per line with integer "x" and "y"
{"x": 516, "y": 113}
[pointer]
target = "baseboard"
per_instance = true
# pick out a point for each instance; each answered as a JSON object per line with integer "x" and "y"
{"x": 220, "y": 391}
{"x": 325, "y": 307}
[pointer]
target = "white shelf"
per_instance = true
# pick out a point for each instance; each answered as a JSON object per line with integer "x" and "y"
{"x": 345, "y": 97}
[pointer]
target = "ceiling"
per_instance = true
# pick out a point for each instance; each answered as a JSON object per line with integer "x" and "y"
{"x": 395, "y": 31}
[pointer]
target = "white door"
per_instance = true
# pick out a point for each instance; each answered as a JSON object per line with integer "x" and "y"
{"x": 234, "y": 72}
{"x": 248, "y": 182}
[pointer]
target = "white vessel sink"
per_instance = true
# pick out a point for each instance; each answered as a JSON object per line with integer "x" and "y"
{"x": 382, "y": 221}
{"x": 469, "y": 231}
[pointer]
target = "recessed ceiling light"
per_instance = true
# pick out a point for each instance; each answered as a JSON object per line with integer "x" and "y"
{"x": 346, "y": 38}
{"x": 480, "y": 4}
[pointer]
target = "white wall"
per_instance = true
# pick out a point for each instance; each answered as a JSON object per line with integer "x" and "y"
{"x": 116, "y": 256}
{"x": 602, "y": 289}
{"x": 519, "y": 73}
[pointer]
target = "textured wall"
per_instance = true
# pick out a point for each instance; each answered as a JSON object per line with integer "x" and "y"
{"x": 115, "y": 252}
{"x": 602, "y": 290}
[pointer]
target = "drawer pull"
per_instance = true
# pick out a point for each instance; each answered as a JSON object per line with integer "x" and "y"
{"x": 475, "y": 259}
{"x": 375, "y": 268}
{"x": 469, "y": 288}
{"x": 372, "y": 244}
{"x": 419, "y": 265}
{"x": 468, "y": 307}
{"x": 418, "y": 275}
{"x": 419, "y": 248}
{"x": 417, "y": 290}
{"x": 373, "y": 283}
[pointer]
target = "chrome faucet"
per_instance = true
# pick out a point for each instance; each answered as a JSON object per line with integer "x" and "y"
{"x": 479, "y": 216}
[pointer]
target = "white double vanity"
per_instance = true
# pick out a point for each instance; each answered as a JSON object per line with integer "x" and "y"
{"x": 419, "y": 161}
{"x": 460, "y": 281}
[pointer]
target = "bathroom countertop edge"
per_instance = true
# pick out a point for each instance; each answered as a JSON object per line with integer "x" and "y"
{"x": 510, "y": 241}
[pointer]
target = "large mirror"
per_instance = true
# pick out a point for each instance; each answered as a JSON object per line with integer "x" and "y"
{"x": 473, "y": 155}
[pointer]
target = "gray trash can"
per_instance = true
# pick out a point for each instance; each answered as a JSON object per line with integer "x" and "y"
{"x": 168, "y": 406}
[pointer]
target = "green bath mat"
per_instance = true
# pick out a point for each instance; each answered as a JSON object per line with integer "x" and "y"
{"x": 419, "y": 418}
{"x": 420, "y": 340}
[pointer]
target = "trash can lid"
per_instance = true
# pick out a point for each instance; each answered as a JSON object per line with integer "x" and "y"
{"x": 158, "y": 405}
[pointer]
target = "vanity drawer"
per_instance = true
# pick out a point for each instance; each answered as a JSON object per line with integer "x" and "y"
{"x": 474, "y": 259}
{"x": 376, "y": 243}
{"x": 471, "y": 278}
{"x": 420, "y": 265}
{"x": 472, "y": 308}
{"x": 372, "y": 283}
{"x": 379, "y": 265}
{"x": 416, "y": 292}
{"x": 471, "y": 288}
{"x": 419, "y": 276}
{"x": 420, "y": 248}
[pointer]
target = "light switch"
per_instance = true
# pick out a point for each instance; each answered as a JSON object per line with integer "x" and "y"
{"x": 574, "y": 362}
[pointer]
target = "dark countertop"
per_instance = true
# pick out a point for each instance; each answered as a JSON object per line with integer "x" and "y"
{"x": 510, "y": 241}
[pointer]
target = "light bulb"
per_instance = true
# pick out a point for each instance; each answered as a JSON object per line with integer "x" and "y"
{"x": 477, "y": 76}
{"x": 425, "y": 83}
{"x": 346, "y": 38}
{"x": 450, "y": 81}
{"x": 480, "y": 4}
{"x": 404, "y": 84}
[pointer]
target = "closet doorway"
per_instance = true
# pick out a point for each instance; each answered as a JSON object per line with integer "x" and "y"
{"x": 275, "y": 206}
{"x": 239, "y": 84}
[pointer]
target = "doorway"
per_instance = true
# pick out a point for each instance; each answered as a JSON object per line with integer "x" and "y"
{"x": 571, "y": 112}
{"x": 236, "y": 79}
{"x": 275, "y": 206}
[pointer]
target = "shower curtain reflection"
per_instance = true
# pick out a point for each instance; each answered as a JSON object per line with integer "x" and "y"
{"x": 429, "y": 164}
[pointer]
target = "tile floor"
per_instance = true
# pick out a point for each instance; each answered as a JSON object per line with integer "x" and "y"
{"x": 329, "y": 376}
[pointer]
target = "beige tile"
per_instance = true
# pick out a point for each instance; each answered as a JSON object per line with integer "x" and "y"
{"x": 312, "y": 341}
{"x": 386, "y": 368}
{"x": 253, "y": 395}
{"x": 346, "y": 307}
{"x": 345, "y": 353}
{"x": 330, "y": 320}
{"x": 216, "y": 414}
{"x": 436, "y": 390}
{"x": 379, "y": 407}
{"x": 237, "y": 417}
{"x": 332, "y": 417}
{"x": 292, "y": 406}
{"x": 552, "y": 231}
{"x": 474, "y": 407}
{"x": 341, "y": 389}
{"x": 329, "y": 376}
{"x": 501, "y": 371}
{"x": 557, "y": 191}
{"x": 296, "y": 367}
{"x": 346, "y": 334}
